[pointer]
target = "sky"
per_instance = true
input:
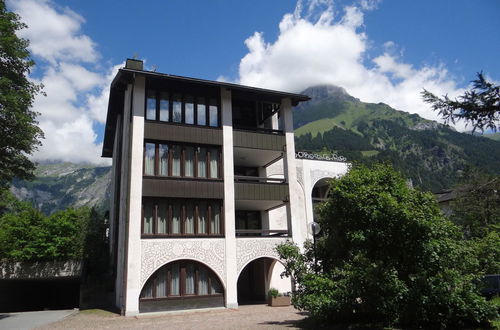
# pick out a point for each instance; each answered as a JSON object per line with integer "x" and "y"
{"x": 379, "y": 51}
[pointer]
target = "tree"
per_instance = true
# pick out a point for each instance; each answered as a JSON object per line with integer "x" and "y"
{"x": 387, "y": 255}
{"x": 480, "y": 106}
{"x": 19, "y": 134}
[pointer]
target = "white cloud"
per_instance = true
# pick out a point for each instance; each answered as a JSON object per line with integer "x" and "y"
{"x": 76, "y": 93}
{"x": 316, "y": 46}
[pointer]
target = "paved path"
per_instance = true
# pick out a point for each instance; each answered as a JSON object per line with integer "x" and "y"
{"x": 245, "y": 317}
{"x": 30, "y": 320}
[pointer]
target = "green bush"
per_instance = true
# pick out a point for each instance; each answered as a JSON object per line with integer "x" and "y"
{"x": 387, "y": 255}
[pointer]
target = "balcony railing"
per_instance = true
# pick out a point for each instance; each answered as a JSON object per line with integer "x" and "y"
{"x": 257, "y": 179}
{"x": 258, "y": 129}
{"x": 261, "y": 232}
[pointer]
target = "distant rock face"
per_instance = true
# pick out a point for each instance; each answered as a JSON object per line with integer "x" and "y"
{"x": 423, "y": 126}
{"x": 322, "y": 92}
{"x": 61, "y": 185}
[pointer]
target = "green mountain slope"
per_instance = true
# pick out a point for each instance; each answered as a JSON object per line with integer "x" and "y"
{"x": 60, "y": 185}
{"x": 429, "y": 153}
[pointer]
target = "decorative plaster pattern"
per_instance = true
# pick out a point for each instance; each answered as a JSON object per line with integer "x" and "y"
{"x": 158, "y": 252}
{"x": 248, "y": 249}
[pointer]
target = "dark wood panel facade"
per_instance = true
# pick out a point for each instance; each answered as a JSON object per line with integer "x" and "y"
{"x": 183, "y": 188}
{"x": 260, "y": 191}
{"x": 182, "y": 133}
{"x": 255, "y": 140}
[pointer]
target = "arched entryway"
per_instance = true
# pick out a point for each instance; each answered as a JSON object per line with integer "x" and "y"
{"x": 258, "y": 277}
{"x": 320, "y": 190}
{"x": 182, "y": 284}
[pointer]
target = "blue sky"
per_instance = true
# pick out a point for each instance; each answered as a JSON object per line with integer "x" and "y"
{"x": 379, "y": 51}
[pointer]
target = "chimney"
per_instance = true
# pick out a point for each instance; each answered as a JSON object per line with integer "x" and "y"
{"x": 134, "y": 64}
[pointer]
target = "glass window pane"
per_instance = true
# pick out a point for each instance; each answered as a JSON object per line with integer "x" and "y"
{"x": 163, "y": 155}
{"x": 177, "y": 108}
{"x": 189, "y": 161}
{"x": 213, "y": 113}
{"x": 176, "y": 218}
{"x": 149, "y": 161}
{"x": 189, "y": 110}
{"x": 161, "y": 283}
{"x": 214, "y": 163}
{"x": 175, "y": 280}
{"x": 176, "y": 160}
{"x": 162, "y": 218}
{"x": 215, "y": 286}
{"x": 151, "y": 106}
{"x": 148, "y": 218}
{"x": 147, "y": 291}
{"x": 201, "y": 109}
{"x": 215, "y": 220}
{"x": 164, "y": 114}
{"x": 190, "y": 276}
{"x": 202, "y": 162}
{"x": 189, "y": 218}
{"x": 202, "y": 217}
{"x": 202, "y": 281}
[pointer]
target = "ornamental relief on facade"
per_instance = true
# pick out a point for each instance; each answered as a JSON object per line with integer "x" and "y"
{"x": 252, "y": 248}
{"x": 158, "y": 253}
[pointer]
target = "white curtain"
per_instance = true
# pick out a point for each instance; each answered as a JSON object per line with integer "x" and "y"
{"x": 189, "y": 218}
{"x": 161, "y": 283}
{"x": 190, "y": 279}
{"x": 215, "y": 286}
{"x": 176, "y": 160}
{"x": 215, "y": 221}
{"x": 148, "y": 218}
{"x": 149, "y": 161}
{"x": 147, "y": 291}
{"x": 202, "y": 281}
{"x": 202, "y": 162}
{"x": 162, "y": 218}
{"x": 174, "y": 284}
{"x": 214, "y": 161}
{"x": 176, "y": 218}
{"x": 163, "y": 150}
{"x": 189, "y": 161}
{"x": 202, "y": 219}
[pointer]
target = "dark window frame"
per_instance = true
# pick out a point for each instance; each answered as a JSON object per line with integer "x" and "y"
{"x": 155, "y": 201}
{"x": 153, "y": 279}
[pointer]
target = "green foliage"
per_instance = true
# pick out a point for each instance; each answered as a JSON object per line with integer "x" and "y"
{"x": 480, "y": 106}
{"x": 19, "y": 133}
{"x": 273, "y": 293}
{"x": 387, "y": 255}
{"x": 28, "y": 235}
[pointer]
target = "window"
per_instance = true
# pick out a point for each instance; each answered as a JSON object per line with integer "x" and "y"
{"x": 163, "y": 217}
{"x": 181, "y": 278}
{"x": 162, "y": 159}
{"x": 183, "y": 109}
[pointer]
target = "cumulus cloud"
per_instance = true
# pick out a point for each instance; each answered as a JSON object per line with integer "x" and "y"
{"x": 76, "y": 89}
{"x": 320, "y": 44}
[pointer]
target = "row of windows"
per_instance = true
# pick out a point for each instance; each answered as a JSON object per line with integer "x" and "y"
{"x": 183, "y": 109}
{"x": 187, "y": 217}
{"x": 163, "y": 159}
{"x": 181, "y": 279}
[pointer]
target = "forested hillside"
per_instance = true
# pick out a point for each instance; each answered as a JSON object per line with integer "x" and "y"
{"x": 430, "y": 154}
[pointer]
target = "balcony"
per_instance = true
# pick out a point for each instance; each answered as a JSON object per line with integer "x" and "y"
{"x": 259, "y": 138}
{"x": 254, "y": 223}
{"x": 270, "y": 192}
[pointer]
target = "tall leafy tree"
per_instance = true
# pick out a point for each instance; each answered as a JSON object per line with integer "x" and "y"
{"x": 19, "y": 134}
{"x": 479, "y": 106}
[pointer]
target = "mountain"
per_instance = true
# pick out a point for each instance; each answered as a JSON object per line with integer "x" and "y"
{"x": 60, "y": 185}
{"x": 432, "y": 155}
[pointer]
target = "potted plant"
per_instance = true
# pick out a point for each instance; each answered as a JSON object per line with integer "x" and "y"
{"x": 277, "y": 299}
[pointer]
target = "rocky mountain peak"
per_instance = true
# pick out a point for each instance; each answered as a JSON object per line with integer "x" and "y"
{"x": 326, "y": 91}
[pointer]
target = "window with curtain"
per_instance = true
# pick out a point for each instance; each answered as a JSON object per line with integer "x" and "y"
{"x": 176, "y": 160}
{"x": 162, "y": 218}
{"x": 201, "y": 111}
{"x": 214, "y": 163}
{"x": 148, "y": 218}
{"x": 189, "y": 110}
{"x": 177, "y": 108}
{"x": 213, "y": 113}
{"x": 149, "y": 159}
{"x": 202, "y": 217}
{"x": 164, "y": 107}
{"x": 202, "y": 162}
{"x": 176, "y": 218}
{"x": 182, "y": 278}
{"x": 215, "y": 220}
{"x": 163, "y": 159}
{"x": 189, "y": 161}
{"x": 189, "y": 223}
{"x": 151, "y": 106}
